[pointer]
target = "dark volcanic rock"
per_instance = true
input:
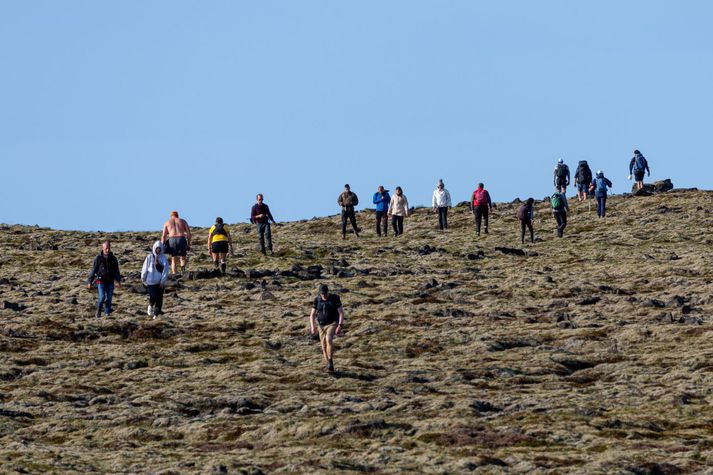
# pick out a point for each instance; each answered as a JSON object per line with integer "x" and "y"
{"x": 17, "y": 307}
{"x": 512, "y": 251}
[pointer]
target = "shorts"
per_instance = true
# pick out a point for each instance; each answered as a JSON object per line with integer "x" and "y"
{"x": 327, "y": 331}
{"x": 583, "y": 188}
{"x": 639, "y": 175}
{"x": 561, "y": 181}
{"x": 220, "y": 247}
{"x": 177, "y": 246}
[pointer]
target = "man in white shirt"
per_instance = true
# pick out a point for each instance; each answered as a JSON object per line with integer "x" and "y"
{"x": 441, "y": 202}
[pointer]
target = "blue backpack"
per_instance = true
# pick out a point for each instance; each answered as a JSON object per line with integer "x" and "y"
{"x": 639, "y": 162}
{"x": 601, "y": 185}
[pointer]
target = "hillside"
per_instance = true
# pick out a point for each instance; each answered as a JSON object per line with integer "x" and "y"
{"x": 592, "y": 353}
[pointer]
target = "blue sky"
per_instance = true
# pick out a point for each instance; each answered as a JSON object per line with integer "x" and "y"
{"x": 112, "y": 114}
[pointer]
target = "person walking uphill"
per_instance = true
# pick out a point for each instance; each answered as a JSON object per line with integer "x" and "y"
{"x": 638, "y": 166}
{"x": 599, "y": 185}
{"x": 558, "y": 201}
{"x": 526, "y": 215}
{"x": 382, "y": 200}
{"x": 260, "y": 214}
{"x": 154, "y": 274}
{"x": 178, "y": 243}
{"x": 219, "y": 243}
{"x": 398, "y": 209}
{"x": 348, "y": 200}
{"x": 328, "y": 312}
{"x": 441, "y": 202}
{"x": 481, "y": 204}
{"x": 561, "y": 176}
{"x": 582, "y": 180}
{"x": 105, "y": 272}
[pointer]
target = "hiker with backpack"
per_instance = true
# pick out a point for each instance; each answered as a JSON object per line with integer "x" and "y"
{"x": 154, "y": 274}
{"x": 261, "y": 216}
{"x": 220, "y": 242}
{"x": 558, "y": 201}
{"x": 104, "y": 273}
{"x": 582, "y": 180}
{"x": 600, "y": 185}
{"x": 398, "y": 209}
{"x": 176, "y": 239}
{"x": 561, "y": 176}
{"x": 638, "y": 166}
{"x": 441, "y": 202}
{"x": 481, "y": 204}
{"x": 382, "y": 200}
{"x": 348, "y": 200}
{"x": 327, "y": 318}
{"x": 526, "y": 215}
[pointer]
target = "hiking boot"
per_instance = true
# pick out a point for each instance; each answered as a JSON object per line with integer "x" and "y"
{"x": 330, "y": 366}
{"x": 271, "y": 253}
{"x": 486, "y": 230}
{"x": 149, "y": 311}
{"x": 216, "y": 264}
{"x": 264, "y": 252}
{"x": 98, "y": 313}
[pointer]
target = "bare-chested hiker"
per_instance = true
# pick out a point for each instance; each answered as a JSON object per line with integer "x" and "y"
{"x": 178, "y": 233}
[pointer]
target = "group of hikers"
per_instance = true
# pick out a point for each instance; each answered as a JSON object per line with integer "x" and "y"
{"x": 327, "y": 315}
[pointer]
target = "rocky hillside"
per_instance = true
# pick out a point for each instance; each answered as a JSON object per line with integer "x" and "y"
{"x": 588, "y": 354}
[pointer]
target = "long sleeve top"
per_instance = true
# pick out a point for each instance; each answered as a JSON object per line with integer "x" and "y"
{"x": 398, "y": 206}
{"x": 262, "y": 209}
{"x": 381, "y": 200}
{"x": 441, "y": 199}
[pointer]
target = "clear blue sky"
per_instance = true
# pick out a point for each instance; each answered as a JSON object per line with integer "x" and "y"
{"x": 112, "y": 114}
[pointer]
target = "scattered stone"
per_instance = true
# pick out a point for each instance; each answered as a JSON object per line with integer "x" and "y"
{"x": 475, "y": 255}
{"x": 137, "y": 364}
{"x": 267, "y": 295}
{"x": 589, "y": 300}
{"x": 484, "y": 406}
{"x": 17, "y": 307}
{"x": 511, "y": 251}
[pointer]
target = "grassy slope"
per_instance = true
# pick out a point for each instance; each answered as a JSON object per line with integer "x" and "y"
{"x": 521, "y": 370}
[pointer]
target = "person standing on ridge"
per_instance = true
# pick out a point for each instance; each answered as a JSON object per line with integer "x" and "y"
{"x": 382, "y": 200}
{"x": 219, "y": 242}
{"x": 441, "y": 202}
{"x": 348, "y": 200}
{"x": 261, "y": 216}
{"x": 328, "y": 312}
{"x": 599, "y": 185}
{"x": 154, "y": 274}
{"x": 561, "y": 176}
{"x": 582, "y": 180}
{"x": 558, "y": 201}
{"x": 178, "y": 233}
{"x": 105, "y": 271}
{"x": 398, "y": 209}
{"x": 526, "y": 215}
{"x": 481, "y": 205}
{"x": 638, "y": 166}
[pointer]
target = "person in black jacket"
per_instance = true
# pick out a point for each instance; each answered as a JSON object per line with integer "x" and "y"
{"x": 105, "y": 271}
{"x": 526, "y": 215}
{"x": 582, "y": 180}
{"x": 329, "y": 314}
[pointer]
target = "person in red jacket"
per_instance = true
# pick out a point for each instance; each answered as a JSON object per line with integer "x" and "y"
{"x": 481, "y": 206}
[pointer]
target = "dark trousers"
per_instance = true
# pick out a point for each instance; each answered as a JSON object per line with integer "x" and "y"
{"x": 526, "y": 224}
{"x": 443, "y": 217}
{"x": 264, "y": 232}
{"x": 397, "y": 222}
{"x": 348, "y": 214}
{"x": 382, "y": 220}
{"x": 601, "y": 205}
{"x": 481, "y": 214}
{"x": 156, "y": 297}
{"x": 106, "y": 292}
{"x": 561, "y": 218}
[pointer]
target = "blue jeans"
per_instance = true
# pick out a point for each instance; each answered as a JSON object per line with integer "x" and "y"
{"x": 106, "y": 292}
{"x": 602, "y": 205}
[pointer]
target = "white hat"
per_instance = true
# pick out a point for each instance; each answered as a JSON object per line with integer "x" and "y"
{"x": 560, "y": 161}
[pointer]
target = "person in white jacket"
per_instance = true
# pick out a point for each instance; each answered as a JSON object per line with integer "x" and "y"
{"x": 398, "y": 209}
{"x": 441, "y": 202}
{"x": 154, "y": 275}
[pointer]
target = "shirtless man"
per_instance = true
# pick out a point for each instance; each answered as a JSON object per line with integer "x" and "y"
{"x": 179, "y": 240}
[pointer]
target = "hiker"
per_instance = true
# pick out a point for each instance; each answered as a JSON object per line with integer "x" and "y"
{"x": 582, "y": 180}
{"x": 348, "y": 200}
{"x": 481, "y": 205}
{"x": 382, "y": 200}
{"x": 329, "y": 314}
{"x": 599, "y": 185}
{"x": 398, "y": 209}
{"x": 561, "y": 176}
{"x": 558, "y": 201}
{"x": 261, "y": 216}
{"x": 154, "y": 274}
{"x": 105, "y": 271}
{"x": 178, "y": 243}
{"x": 638, "y": 166}
{"x": 441, "y": 202}
{"x": 526, "y": 215}
{"x": 219, "y": 242}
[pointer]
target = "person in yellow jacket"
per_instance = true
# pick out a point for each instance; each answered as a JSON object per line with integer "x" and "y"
{"x": 219, "y": 242}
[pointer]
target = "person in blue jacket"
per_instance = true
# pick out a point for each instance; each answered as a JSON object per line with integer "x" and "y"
{"x": 600, "y": 185}
{"x": 382, "y": 200}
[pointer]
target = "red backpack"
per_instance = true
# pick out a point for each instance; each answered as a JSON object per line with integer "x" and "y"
{"x": 480, "y": 197}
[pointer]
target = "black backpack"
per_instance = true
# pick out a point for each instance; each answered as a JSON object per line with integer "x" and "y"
{"x": 584, "y": 173}
{"x": 562, "y": 170}
{"x": 219, "y": 229}
{"x": 323, "y": 310}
